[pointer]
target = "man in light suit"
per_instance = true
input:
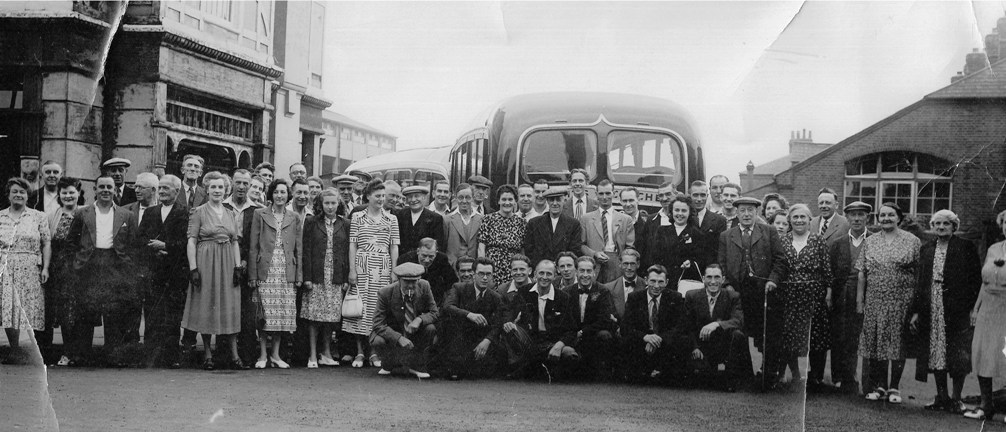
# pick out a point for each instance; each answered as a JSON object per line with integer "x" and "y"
{"x": 605, "y": 233}
{"x": 462, "y": 227}
{"x": 102, "y": 239}
{"x": 417, "y": 222}
{"x": 710, "y": 223}
{"x": 554, "y": 232}
{"x": 830, "y": 225}
{"x": 628, "y": 197}
{"x": 404, "y": 322}
{"x": 713, "y": 319}
{"x": 628, "y": 283}
{"x": 579, "y": 201}
{"x": 146, "y": 197}
{"x": 192, "y": 195}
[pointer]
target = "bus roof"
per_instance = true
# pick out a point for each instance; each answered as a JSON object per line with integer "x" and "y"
{"x": 433, "y": 159}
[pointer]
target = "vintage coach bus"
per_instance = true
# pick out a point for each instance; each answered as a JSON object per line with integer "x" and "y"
{"x": 423, "y": 166}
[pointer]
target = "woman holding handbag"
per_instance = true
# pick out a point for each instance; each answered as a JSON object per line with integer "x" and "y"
{"x": 326, "y": 271}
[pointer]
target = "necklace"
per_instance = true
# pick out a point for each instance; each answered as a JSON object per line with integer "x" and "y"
{"x": 999, "y": 262}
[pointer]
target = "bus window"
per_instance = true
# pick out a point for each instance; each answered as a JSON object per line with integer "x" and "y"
{"x": 402, "y": 177}
{"x": 553, "y": 154}
{"x": 427, "y": 178}
{"x": 644, "y": 158}
{"x": 437, "y": 178}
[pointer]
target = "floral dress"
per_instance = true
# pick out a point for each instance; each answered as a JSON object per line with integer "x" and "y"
{"x": 890, "y": 267}
{"x": 277, "y": 294}
{"x": 503, "y": 237}
{"x": 22, "y": 304}
{"x": 323, "y": 303}
{"x": 805, "y": 310}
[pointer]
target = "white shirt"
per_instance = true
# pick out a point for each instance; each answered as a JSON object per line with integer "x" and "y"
{"x": 665, "y": 219}
{"x": 610, "y": 245}
{"x": 626, "y": 290}
{"x": 512, "y": 288}
{"x": 164, "y": 211}
{"x": 50, "y": 201}
{"x": 579, "y": 204}
{"x": 103, "y": 228}
{"x": 478, "y": 209}
{"x": 856, "y": 241}
{"x": 555, "y": 223}
{"x": 415, "y": 217}
{"x": 701, "y": 216}
{"x": 433, "y": 208}
{"x": 541, "y": 304}
{"x": 139, "y": 215}
{"x": 712, "y": 303}
{"x": 531, "y": 214}
{"x": 583, "y": 305}
{"x": 307, "y": 209}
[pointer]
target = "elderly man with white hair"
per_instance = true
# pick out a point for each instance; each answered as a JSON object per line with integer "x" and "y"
{"x": 146, "y": 197}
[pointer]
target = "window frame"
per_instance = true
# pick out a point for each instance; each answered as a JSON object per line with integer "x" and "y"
{"x": 916, "y": 179}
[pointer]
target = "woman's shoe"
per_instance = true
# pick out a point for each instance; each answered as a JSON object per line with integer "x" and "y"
{"x": 893, "y": 396}
{"x": 278, "y": 363}
{"x": 877, "y": 394}
{"x": 261, "y": 364}
{"x": 327, "y": 361}
{"x": 347, "y": 358}
{"x": 208, "y": 364}
{"x": 375, "y": 361}
{"x": 358, "y": 361}
{"x": 237, "y": 364}
{"x": 956, "y": 406}
{"x": 311, "y": 364}
{"x": 977, "y": 414}
{"x": 63, "y": 361}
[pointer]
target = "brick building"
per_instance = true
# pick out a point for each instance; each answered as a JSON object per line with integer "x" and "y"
{"x": 759, "y": 177}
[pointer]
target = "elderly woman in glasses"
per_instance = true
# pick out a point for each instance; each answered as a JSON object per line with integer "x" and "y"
{"x": 989, "y": 318}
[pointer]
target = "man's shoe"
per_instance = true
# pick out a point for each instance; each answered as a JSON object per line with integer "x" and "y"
{"x": 418, "y": 374}
{"x": 384, "y": 371}
{"x": 454, "y": 377}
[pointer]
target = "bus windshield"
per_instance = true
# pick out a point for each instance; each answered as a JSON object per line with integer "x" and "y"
{"x": 553, "y": 154}
{"x": 645, "y": 158}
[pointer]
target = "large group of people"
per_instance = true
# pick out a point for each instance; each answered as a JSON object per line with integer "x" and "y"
{"x": 554, "y": 282}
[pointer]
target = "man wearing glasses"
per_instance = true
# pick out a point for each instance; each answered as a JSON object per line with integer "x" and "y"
{"x": 473, "y": 318}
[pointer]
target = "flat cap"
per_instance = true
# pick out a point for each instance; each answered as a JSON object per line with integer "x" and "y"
{"x": 116, "y": 162}
{"x": 858, "y": 206}
{"x": 480, "y": 181}
{"x": 409, "y": 270}
{"x": 345, "y": 179}
{"x": 365, "y": 176}
{"x": 555, "y": 191}
{"x": 415, "y": 189}
{"x": 747, "y": 201}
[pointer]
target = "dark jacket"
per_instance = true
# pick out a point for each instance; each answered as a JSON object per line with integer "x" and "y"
{"x": 81, "y": 238}
{"x": 173, "y": 231}
{"x": 559, "y": 319}
{"x": 766, "y": 257}
{"x": 183, "y": 199}
{"x": 541, "y": 243}
{"x": 713, "y": 224}
{"x": 440, "y": 275}
{"x": 727, "y": 312}
{"x": 430, "y": 224}
{"x": 669, "y": 249}
{"x": 598, "y": 312}
{"x": 262, "y": 241}
{"x": 316, "y": 245}
{"x": 389, "y": 313}
{"x": 670, "y": 318}
{"x": 461, "y": 300}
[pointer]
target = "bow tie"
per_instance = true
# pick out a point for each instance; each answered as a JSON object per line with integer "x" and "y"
{"x": 582, "y": 290}
{"x": 629, "y": 283}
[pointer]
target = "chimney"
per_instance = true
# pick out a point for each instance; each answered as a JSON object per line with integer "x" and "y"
{"x": 992, "y": 46}
{"x": 974, "y": 62}
{"x": 749, "y": 178}
{"x": 957, "y": 77}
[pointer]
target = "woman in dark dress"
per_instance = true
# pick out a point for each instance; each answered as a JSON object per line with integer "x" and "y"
{"x": 63, "y": 312}
{"x": 949, "y": 280}
{"x": 676, "y": 246}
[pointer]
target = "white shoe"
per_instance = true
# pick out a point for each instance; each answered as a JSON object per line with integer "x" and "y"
{"x": 384, "y": 371}
{"x": 327, "y": 361}
{"x": 63, "y": 361}
{"x": 311, "y": 364}
{"x": 418, "y": 374}
{"x": 358, "y": 361}
{"x": 279, "y": 363}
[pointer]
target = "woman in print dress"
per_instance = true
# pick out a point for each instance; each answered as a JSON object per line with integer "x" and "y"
{"x": 326, "y": 269}
{"x": 888, "y": 266}
{"x": 989, "y": 319}
{"x": 373, "y": 247}
{"x": 501, "y": 234}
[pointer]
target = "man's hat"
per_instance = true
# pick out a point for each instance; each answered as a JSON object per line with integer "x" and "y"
{"x": 858, "y": 206}
{"x": 409, "y": 271}
{"x": 480, "y": 181}
{"x": 116, "y": 162}
{"x": 555, "y": 192}
{"x": 416, "y": 189}
{"x": 361, "y": 175}
{"x": 747, "y": 201}
{"x": 345, "y": 179}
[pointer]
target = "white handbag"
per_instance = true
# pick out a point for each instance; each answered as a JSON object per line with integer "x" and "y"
{"x": 352, "y": 304}
{"x": 685, "y": 285}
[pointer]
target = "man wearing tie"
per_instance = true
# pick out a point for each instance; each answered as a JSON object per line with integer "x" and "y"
{"x": 553, "y": 232}
{"x": 146, "y": 197}
{"x": 473, "y": 315}
{"x": 544, "y": 316}
{"x": 192, "y": 195}
{"x": 593, "y": 336}
{"x": 480, "y": 192}
{"x": 830, "y": 225}
{"x": 709, "y": 223}
{"x": 404, "y": 322}
{"x": 714, "y": 320}
{"x": 417, "y": 222}
{"x": 116, "y": 168}
{"x": 628, "y": 283}
{"x": 578, "y": 203}
{"x": 606, "y": 232}
{"x": 731, "y": 192}
{"x": 654, "y": 342}
{"x": 462, "y": 227}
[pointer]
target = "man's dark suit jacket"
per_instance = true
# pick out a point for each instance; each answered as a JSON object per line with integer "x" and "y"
{"x": 440, "y": 275}
{"x": 430, "y": 224}
{"x": 513, "y": 302}
{"x": 727, "y": 312}
{"x": 128, "y": 195}
{"x": 713, "y": 224}
{"x": 461, "y": 300}
{"x": 389, "y": 314}
{"x": 541, "y": 243}
{"x": 559, "y": 319}
{"x": 173, "y": 231}
{"x": 199, "y": 199}
{"x": 597, "y": 315}
{"x": 670, "y": 318}
{"x": 767, "y": 259}
{"x": 83, "y": 231}
{"x": 316, "y": 244}
{"x": 618, "y": 298}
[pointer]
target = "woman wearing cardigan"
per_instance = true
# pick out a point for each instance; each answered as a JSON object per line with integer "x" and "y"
{"x": 326, "y": 266}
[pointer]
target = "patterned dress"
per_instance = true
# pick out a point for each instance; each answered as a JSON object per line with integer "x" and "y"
{"x": 22, "y": 305}
{"x": 323, "y": 303}
{"x": 890, "y": 267}
{"x": 277, "y": 294}
{"x": 987, "y": 359}
{"x": 373, "y": 238}
{"x": 503, "y": 237}
{"x": 214, "y": 307}
{"x": 937, "y": 323}
{"x": 805, "y": 309}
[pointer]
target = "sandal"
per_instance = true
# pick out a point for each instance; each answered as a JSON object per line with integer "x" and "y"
{"x": 358, "y": 361}
{"x": 893, "y": 396}
{"x": 877, "y": 394}
{"x": 375, "y": 361}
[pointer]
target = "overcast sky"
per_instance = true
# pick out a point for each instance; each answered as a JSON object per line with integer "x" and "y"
{"x": 750, "y": 72}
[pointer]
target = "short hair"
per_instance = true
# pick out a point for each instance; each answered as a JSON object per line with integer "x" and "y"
{"x": 392, "y": 184}
{"x": 267, "y": 166}
{"x": 103, "y": 174}
{"x": 295, "y": 164}
{"x": 698, "y": 183}
{"x": 373, "y": 186}
{"x": 578, "y": 171}
{"x": 545, "y": 261}
{"x": 656, "y": 268}
{"x": 146, "y": 179}
{"x": 628, "y": 189}
{"x": 329, "y": 192}
{"x": 770, "y": 219}
{"x": 630, "y": 251}
{"x": 564, "y": 254}
{"x": 213, "y": 175}
{"x": 202, "y": 162}
{"x": 719, "y": 176}
{"x": 606, "y": 182}
{"x": 484, "y": 261}
{"x": 51, "y": 162}
{"x": 541, "y": 181}
{"x": 275, "y": 184}
{"x": 506, "y": 189}
{"x": 241, "y": 171}
{"x": 19, "y": 181}
{"x": 586, "y": 258}
{"x": 523, "y": 186}
{"x": 462, "y": 260}
{"x": 772, "y": 196}
{"x": 666, "y": 185}
{"x": 828, "y": 191}
{"x": 427, "y": 243}
{"x": 714, "y": 266}
{"x": 68, "y": 182}
{"x": 735, "y": 186}
{"x": 949, "y": 215}
{"x": 298, "y": 182}
{"x": 520, "y": 257}
{"x": 897, "y": 210}
{"x": 173, "y": 180}
{"x": 461, "y": 186}
{"x": 315, "y": 179}
{"x": 797, "y": 207}
{"x": 687, "y": 200}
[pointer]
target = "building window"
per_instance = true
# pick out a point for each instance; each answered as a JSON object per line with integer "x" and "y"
{"x": 218, "y": 8}
{"x": 918, "y": 183}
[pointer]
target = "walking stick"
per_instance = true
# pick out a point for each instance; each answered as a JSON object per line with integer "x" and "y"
{"x": 764, "y": 341}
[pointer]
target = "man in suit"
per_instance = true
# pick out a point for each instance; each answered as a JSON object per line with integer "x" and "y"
{"x": 525, "y": 202}
{"x": 846, "y": 324}
{"x": 730, "y": 193}
{"x": 146, "y": 197}
{"x": 606, "y": 232}
{"x": 714, "y": 320}
{"x": 192, "y": 195}
{"x": 716, "y": 184}
{"x": 593, "y": 335}
{"x": 709, "y": 223}
{"x": 473, "y": 317}
{"x": 628, "y": 283}
{"x": 830, "y": 225}
{"x": 545, "y": 316}
{"x": 513, "y": 302}
{"x": 629, "y": 198}
{"x": 102, "y": 239}
{"x": 565, "y": 264}
{"x": 554, "y": 232}
{"x": 654, "y": 343}
{"x": 116, "y": 169}
{"x": 752, "y": 257}
{"x": 579, "y": 202}
{"x": 344, "y": 184}
{"x": 438, "y": 271}
{"x": 417, "y": 222}
{"x": 46, "y": 198}
{"x": 163, "y": 239}
{"x": 462, "y": 227}
{"x": 480, "y": 193}
{"x": 404, "y": 322}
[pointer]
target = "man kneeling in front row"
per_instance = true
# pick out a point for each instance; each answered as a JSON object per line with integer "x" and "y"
{"x": 404, "y": 322}
{"x": 714, "y": 320}
{"x": 472, "y": 318}
{"x": 653, "y": 331}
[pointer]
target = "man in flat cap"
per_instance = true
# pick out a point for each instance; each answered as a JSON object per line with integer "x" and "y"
{"x": 404, "y": 321}
{"x": 439, "y": 272}
{"x": 753, "y": 261}
{"x": 417, "y": 222}
{"x": 553, "y": 232}
{"x": 116, "y": 169}
{"x": 845, "y": 322}
{"x": 480, "y": 187}
{"x": 362, "y": 178}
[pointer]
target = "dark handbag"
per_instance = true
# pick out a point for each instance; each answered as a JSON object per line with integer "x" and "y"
{"x": 256, "y": 300}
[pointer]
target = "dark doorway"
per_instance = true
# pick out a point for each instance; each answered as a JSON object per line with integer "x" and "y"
{"x": 218, "y": 158}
